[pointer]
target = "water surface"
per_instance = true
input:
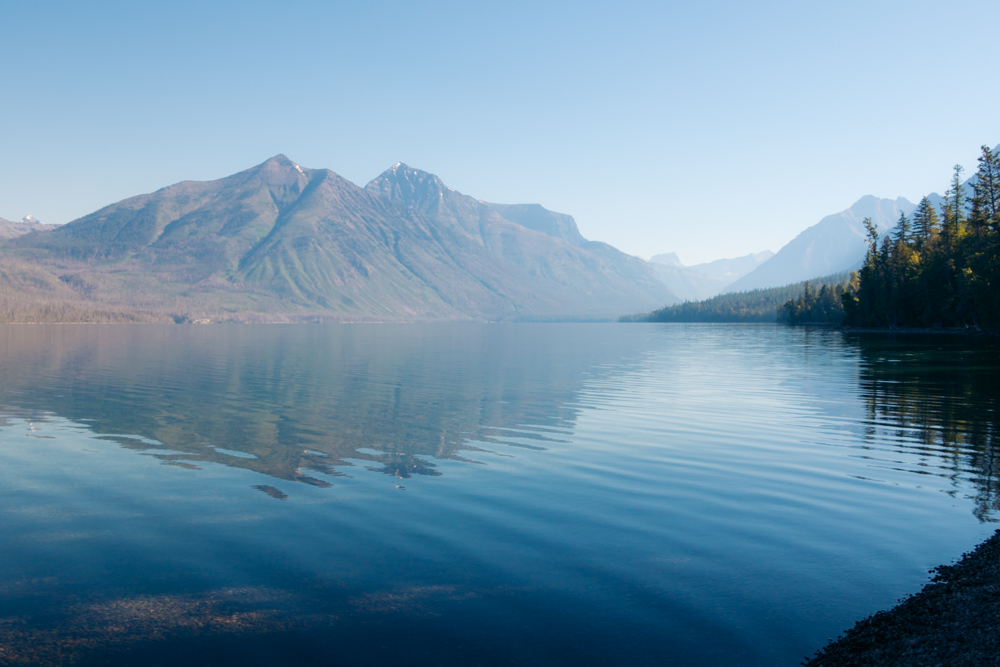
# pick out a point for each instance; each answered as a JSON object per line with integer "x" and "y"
{"x": 478, "y": 494}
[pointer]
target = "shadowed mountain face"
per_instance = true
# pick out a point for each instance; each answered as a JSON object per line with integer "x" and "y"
{"x": 288, "y": 242}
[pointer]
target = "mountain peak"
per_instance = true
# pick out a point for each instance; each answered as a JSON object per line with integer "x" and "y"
{"x": 403, "y": 171}
{"x": 277, "y": 171}
{"x": 30, "y": 220}
{"x": 667, "y": 258}
{"x": 280, "y": 161}
{"x": 410, "y": 186}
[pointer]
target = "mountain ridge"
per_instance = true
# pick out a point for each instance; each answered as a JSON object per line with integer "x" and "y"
{"x": 285, "y": 240}
{"x": 833, "y": 245}
{"x": 705, "y": 280}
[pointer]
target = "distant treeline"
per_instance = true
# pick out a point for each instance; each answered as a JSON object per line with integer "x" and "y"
{"x": 940, "y": 268}
{"x": 760, "y": 305}
{"x": 822, "y": 306}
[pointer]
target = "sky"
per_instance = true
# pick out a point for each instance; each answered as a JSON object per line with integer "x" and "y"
{"x": 709, "y": 129}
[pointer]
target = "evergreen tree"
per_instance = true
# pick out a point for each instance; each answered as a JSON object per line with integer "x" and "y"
{"x": 982, "y": 277}
{"x": 903, "y": 229}
{"x": 953, "y": 209}
{"x": 937, "y": 272}
{"x": 986, "y": 193}
{"x": 957, "y": 193}
{"x": 925, "y": 221}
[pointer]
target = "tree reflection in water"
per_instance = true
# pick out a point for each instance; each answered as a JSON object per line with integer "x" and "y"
{"x": 937, "y": 395}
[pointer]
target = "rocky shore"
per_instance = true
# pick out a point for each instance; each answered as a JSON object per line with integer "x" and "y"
{"x": 953, "y": 622}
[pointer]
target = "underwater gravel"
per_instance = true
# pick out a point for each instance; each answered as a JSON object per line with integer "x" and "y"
{"x": 953, "y": 622}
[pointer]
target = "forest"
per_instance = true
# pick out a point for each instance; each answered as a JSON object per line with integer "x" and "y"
{"x": 759, "y": 305}
{"x": 938, "y": 269}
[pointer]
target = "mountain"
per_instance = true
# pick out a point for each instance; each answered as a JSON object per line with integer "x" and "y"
{"x": 535, "y": 217}
{"x": 524, "y": 253}
{"x": 837, "y": 242}
{"x": 833, "y": 245}
{"x": 667, "y": 259}
{"x": 702, "y": 281}
{"x": 733, "y": 269}
{"x": 282, "y": 242}
{"x": 10, "y": 229}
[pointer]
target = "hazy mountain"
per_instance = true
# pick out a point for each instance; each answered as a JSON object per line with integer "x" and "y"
{"x": 533, "y": 216}
{"x": 837, "y": 242}
{"x": 280, "y": 241}
{"x": 733, "y": 269}
{"x": 667, "y": 259}
{"x": 523, "y": 252}
{"x": 834, "y": 244}
{"x": 9, "y": 230}
{"x": 702, "y": 281}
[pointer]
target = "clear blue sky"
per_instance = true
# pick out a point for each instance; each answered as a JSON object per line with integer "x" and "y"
{"x": 711, "y": 129}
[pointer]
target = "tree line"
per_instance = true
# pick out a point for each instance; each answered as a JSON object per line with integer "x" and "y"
{"x": 938, "y": 269}
{"x": 822, "y": 306}
{"x": 759, "y": 305}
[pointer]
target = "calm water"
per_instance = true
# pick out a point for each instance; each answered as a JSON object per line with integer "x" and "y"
{"x": 478, "y": 494}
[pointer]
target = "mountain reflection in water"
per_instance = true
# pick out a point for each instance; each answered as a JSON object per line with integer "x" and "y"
{"x": 291, "y": 401}
{"x": 574, "y": 494}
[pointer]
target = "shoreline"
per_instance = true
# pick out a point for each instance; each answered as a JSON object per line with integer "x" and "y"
{"x": 953, "y": 621}
{"x": 934, "y": 331}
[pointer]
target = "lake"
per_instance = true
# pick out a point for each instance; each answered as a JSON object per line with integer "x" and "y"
{"x": 473, "y": 494}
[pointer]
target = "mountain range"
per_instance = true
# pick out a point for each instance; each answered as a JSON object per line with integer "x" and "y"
{"x": 280, "y": 242}
{"x": 28, "y": 224}
{"x": 703, "y": 281}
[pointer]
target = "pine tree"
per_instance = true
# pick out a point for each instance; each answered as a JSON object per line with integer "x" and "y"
{"x": 986, "y": 192}
{"x": 903, "y": 229}
{"x": 925, "y": 221}
{"x": 936, "y": 272}
{"x": 982, "y": 277}
{"x": 953, "y": 210}
{"x": 957, "y": 194}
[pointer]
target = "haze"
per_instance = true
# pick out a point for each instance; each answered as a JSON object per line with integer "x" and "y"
{"x": 709, "y": 131}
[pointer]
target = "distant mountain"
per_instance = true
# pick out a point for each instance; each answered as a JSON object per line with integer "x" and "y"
{"x": 535, "y": 217}
{"x": 733, "y": 269}
{"x": 9, "y": 230}
{"x": 702, "y": 281}
{"x": 279, "y": 241}
{"x": 833, "y": 245}
{"x": 837, "y": 242}
{"x": 667, "y": 259}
